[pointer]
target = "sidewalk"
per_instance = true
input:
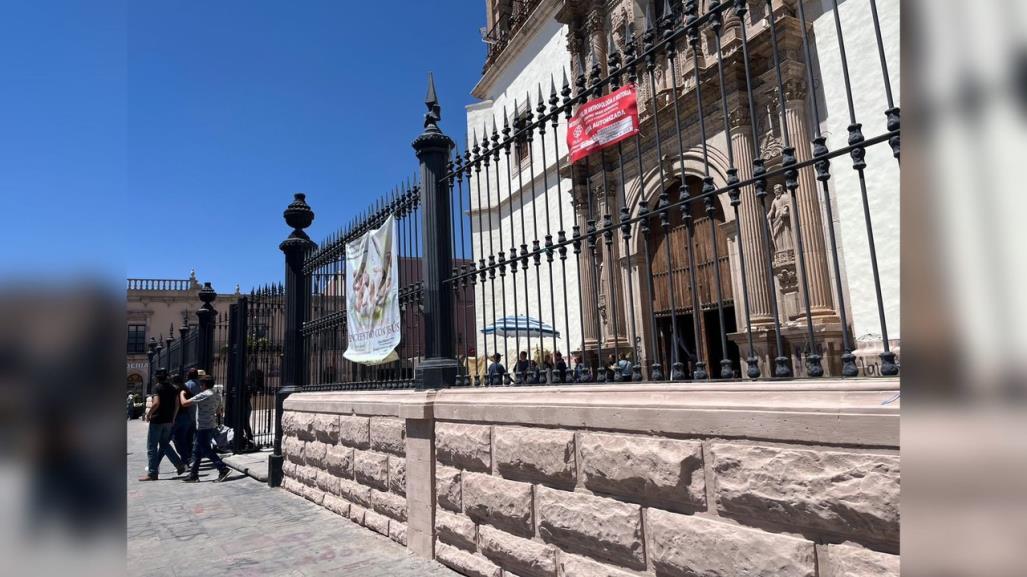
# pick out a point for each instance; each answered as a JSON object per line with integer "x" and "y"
{"x": 242, "y": 527}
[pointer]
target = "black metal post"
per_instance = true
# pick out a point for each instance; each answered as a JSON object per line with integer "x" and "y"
{"x": 433, "y": 148}
{"x": 151, "y": 352}
{"x": 205, "y": 316}
{"x": 183, "y": 332}
{"x": 297, "y": 303}
{"x": 238, "y": 315}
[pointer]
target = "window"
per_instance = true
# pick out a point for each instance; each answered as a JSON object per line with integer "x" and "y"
{"x": 136, "y": 339}
{"x": 522, "y": 148}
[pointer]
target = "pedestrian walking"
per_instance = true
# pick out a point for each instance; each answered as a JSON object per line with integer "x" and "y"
{"x": 206, "y": 404}
{"x": 184, "y": 429}
{"x": 161, "y": 417}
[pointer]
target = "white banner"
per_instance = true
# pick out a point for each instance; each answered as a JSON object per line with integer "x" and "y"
{"x": 372, "y": 296}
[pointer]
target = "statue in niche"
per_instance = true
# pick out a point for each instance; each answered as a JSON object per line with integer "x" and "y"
{"x": 781, "y": 224}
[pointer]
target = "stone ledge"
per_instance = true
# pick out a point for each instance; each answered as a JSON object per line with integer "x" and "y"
{"x": 402, "y": 404}
{"x": 839, "y": 412}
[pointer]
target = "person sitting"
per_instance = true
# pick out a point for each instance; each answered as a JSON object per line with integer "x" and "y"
{"x": 497, "y": 372}
{"x": 560, "y": 368}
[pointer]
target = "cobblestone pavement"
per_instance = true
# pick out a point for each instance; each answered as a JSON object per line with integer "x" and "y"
{"x": 241, "y": 527}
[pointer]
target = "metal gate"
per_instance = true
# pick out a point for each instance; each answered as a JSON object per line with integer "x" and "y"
{"x": 252, "y": 366}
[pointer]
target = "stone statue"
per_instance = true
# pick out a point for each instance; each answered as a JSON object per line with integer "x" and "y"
{"x": 780, "y": 221}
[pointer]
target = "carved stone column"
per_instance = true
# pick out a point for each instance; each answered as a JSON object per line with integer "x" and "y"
{"x": 586, "y": 270}
{"x": 810, "y": 215}
{"x": 614, "y": 319}
{"x": 750, "y": 216}
{"x": 596, "y": 34}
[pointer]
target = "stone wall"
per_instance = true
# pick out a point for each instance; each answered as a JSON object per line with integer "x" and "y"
{"x": 353, "y": 465}
{"x": 614, "y": 480}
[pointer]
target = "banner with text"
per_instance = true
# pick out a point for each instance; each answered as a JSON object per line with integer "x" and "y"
{"x": 603, "y": 122}
{"x": 372, "y": 296}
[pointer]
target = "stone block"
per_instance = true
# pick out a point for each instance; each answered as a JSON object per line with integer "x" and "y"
{"x": 289, "y": 469}
{"x": 524, "y": 556}
{"x": 596, "y": 526}
{"x": 292, "y": 449}
{"x": 339, "y": 461}
{"x": 574, "y": 566}
{"x": 532, "y": 454}
{"x": 498, "y": 502}
{"x": 389, "y": 504}
{"x": 691, "y": 546}
{"x": 314, "y": 454}
{"x": 447, "y": 488}
{"x": 377, "y": 523}
{"x": 336, "y": 505}
{"x": 398, "y": 475}
{"x": 327, "y": 482}
{"x": 292, "y": 485}
{"x": 356, "y": 514}
{"x": 306, "y": 475}
{"x": 305, "y": 426}
{"x": 313, "y": 494}
{"x": 372, "y": 469}
{"x": 355, "y": 493}
{"x": 664, "y": 472}
{"x": 849, "y": 561}
{"x": 465, "y": 563}
{"x": 464, "y": 446}
{"x": 388, "y": 435}
{"x": 326, "y": 428}
{"x": 354, "y": 432}
{"x": 398, "y": 532}
{"x": 288, "y": 424}
{"x": 457, "y": 530}
{"x": 855, "y": 495}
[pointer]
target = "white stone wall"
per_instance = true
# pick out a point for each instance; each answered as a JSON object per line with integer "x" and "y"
{"x": 882, "y": 173}
{"x": 533, "y": 67}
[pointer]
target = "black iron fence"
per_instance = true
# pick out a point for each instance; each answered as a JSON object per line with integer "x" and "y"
{"x": 703, "y": 247}
{"x": 632, "y": 257}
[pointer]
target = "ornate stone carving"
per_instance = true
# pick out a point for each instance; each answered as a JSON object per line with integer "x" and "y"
{"x": 739, "y": 116}
{"x": 771, "y": 147}
{"x": 780, "y": 218}
{"x": 794, "y": 89}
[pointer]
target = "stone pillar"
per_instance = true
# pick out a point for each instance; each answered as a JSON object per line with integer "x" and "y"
{"x": 810, "y": 215}
{"x": 596, "y": 34}
{"x": 616, "y": 304}
{"x": 586, "y": 274}
{"x": 750, "y": 227}
{"x": 420, "y": 487}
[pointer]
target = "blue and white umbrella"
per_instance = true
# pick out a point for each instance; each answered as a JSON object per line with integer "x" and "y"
{"x": 520, "y": 326}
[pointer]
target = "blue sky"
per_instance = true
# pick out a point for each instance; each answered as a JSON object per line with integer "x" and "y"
{"x": 147, "y": 138}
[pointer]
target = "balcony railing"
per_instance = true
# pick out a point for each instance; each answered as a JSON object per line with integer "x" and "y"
{"x": 157, "y": 284}
{"x": 505, "y": 27}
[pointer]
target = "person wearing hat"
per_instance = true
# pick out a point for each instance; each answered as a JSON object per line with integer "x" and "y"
{"x": 497, "y": 372}
{"x": 161, "y": 416}
{"x": 185, "y": 423}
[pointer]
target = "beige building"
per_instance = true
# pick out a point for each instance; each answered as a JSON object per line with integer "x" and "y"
{"x": 158, "y": 309}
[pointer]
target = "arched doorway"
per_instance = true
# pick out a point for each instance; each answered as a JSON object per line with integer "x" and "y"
{"x": 677, "y": 274}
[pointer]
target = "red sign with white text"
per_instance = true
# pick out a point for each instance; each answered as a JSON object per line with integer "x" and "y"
{"x": 603, "y": 122}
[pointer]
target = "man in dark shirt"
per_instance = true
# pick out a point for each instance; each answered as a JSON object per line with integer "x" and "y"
{"x": 561, "y": 367}
{"x": 497, "y": 372}
{"x": 161, "y": 417}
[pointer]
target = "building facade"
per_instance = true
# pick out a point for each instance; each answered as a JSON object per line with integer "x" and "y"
{"x": 636, "y": 297}
{"x": 158, "y": 309}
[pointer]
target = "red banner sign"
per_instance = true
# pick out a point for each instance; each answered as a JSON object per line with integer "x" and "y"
{"x": 603, "y": 122}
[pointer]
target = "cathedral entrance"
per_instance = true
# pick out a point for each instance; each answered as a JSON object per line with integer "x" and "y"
{"x": 679, "y": 313}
